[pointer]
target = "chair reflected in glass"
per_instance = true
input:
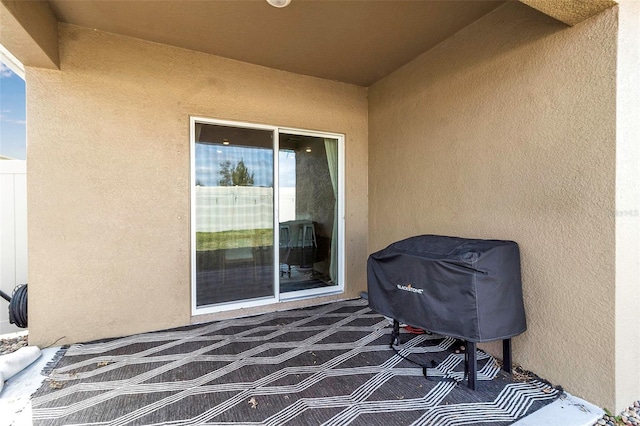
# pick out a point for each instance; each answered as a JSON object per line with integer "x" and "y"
{"x": 306, "y": 235}
{"x": 237, "y": 257}
{"x": 285, "y": 249}
{"x": 298, "y": 247}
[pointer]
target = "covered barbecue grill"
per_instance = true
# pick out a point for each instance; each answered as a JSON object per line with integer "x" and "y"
{"x": 464, "y": 288}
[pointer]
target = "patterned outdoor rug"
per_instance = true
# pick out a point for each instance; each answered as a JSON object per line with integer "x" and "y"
{"x": 328, "y": 365}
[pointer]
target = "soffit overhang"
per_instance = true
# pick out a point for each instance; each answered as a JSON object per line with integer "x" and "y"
{"x": 356, "y": 42}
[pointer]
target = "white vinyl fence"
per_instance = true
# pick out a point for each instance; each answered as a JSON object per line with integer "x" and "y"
{"x": 225, "y": 208}
{"x": 13, "y": 233}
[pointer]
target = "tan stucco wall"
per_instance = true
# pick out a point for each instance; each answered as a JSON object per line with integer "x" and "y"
{"x": 628, "y": 207}
{"x": 507, "y": 130}
{"x": 571, "y": 12}
{"x": 108, "y": 165}
{"x": 29, "y": 30}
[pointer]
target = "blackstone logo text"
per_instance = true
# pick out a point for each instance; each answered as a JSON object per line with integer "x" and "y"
{"x": 409, "y": 288}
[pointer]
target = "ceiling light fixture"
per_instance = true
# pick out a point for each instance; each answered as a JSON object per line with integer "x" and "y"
{"x": 225, "y": 142}
{"x": 308, "y": 149}
{"x": 279, "y": 3}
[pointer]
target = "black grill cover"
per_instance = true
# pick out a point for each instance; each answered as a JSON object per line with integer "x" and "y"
{"x": 463, "y": 288}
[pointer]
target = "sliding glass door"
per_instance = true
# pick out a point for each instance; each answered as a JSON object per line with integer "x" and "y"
{"x": 247, "y": 181}
{"x": 233, "y": 214}
{"x": 308, "y": 219}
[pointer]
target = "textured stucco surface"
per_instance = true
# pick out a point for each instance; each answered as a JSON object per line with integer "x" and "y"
{"x": 571, "y": 12}
{"x": 29, "y": 30}
{"x": 507, "y": 130}
{"x": 108, "y": 165}
{"x": 628, "y": 207}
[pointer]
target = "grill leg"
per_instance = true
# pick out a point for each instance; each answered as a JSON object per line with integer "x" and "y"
{"x": 395, "y": 334}
{"x": 506, "y": 355}
{"x": 473, "y": 366}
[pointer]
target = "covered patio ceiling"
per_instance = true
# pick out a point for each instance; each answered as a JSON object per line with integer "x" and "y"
{"x": 356, "y": 42}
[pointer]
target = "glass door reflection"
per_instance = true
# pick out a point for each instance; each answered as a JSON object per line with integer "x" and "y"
{"x": 308, "y": 251}
{"x": 234, "y": 214}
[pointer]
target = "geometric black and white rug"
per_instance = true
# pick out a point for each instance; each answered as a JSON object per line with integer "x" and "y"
{"x": 326, "y": 365}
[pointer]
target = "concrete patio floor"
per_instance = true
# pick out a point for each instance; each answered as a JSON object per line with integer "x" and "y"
{"x": 15, "y": 401}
